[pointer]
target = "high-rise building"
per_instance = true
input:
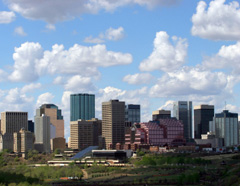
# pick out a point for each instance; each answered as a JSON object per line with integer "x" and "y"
{"x": 182, "y": 110}
{"x": 31, "y": 126}
{"x": 23, "y": 141}
{"x": 161, "y": 114}
{"x": 226, "y": 127}
{"x": 132, "y": 113}
{"x": 85, "y": 133}
{"x": 11, "y": 122}
{"x": 56, "y": 118}
{"x": 113, "y": 118}
{"x": 82, "y": 106}
{"x": 203, "y": 114}
{"x": 42, "y": 132}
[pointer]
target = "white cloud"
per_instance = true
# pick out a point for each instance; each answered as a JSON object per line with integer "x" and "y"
{"x": 79, "y": 84}
{"x": 112, "y": 34}
{"x": 227, "y": 58}
{"x": 15, "y": 100}
{"x": 138, "y": 79}
{"x": 61, "y": 10}
{"x": 50, "y": 27}
{"x": 44, "y": 98}
{"x": 7, "y": 17}
{"x": 81, "y": 60}
{"x": 165, "y": 56}
{"x": 192, "y": 81}
{"x": 219, "y": 22}
{"x": 26, "y": 57}
{"x": 90, "y": 39}
{"x": 3, "y": 75}
{"x": 30, "y": 87}
{"x": 167, "y": 106}
{"x": 19, "y": 31}
{"x": 58, "y": 80}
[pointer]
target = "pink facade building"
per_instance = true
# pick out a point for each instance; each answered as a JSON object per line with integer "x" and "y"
{"x": 164, "y": 132}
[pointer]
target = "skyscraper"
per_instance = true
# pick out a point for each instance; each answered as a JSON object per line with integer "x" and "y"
{"x": 42, "y": 132}
{"x": 11, "y": 122}
{"x": 203, "y": 114}
{"x": 113, "y": 118}
{"x": 182, "y": 110}
{"x": 226, "y": 127}
{"x": 56, "y": 118}
{"x": 82, "y": 106}
{"x": 132, "y": 113}
{"x": 85, "y": 133}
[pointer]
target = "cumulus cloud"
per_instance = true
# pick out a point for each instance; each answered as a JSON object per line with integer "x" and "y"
{"x": 191, "y": 81}
{"x": 138, "y": 79}
{"x": 111, "y": 34}
{"x": 19, "y": 31}
{"x": 44, "y": 98}
{"x": 31, "y": 87}
{"x": 26, "y": 57}
{"x": 15, "y": 100}
{"x": 67, "y": 10}
{"x": 3, "y": 75}
{"x": 79, "y": 84}
{"x": 7, "y": 17}
{"x": 81, "y": 60}
{"x": 114, "y": 34}
{"x": 219, "y": 21}
{"x": 165, "y": 56}
{"x": 227, "y": 58}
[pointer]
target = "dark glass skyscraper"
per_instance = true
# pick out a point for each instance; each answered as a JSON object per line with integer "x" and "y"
{"x": 182, "y": 110}
{"x": 202, "y": 115}
{"x": 132, "y": 113}
{"x": 82, "y": 106}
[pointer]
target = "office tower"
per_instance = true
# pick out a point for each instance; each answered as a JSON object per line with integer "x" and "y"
{"x": 182, "y": 110}
{"x": 132, "y": 113}
{"x": 31, "y": 126}
{"x": 23, "y": 141}
{"x": 11, "y": 122}
{"x": 113, "y": 118}
{"x": 42, "y": 132}
{"x": 82, "y": 106}
{"x": 85, "y": 133}
{"x": 203, "y": 114}
{"x": 56, "y": 118}
{"x": 226, "y": 127}
{"x": 161, "y": 114}
{"x": 58, "y": 143}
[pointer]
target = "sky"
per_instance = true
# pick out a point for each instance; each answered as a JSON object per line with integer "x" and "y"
{"x": 147, "y": 52}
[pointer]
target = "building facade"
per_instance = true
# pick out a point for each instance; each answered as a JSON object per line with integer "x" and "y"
{"x": 113, "y": 122}
{"x": 182, "y": 110}
{"x": 11, "y": 122}
{"x": 42, "y": 132}
{"x": 203, "y": 114}
{"x": 56, "y": 118}
{"x": 132, "y": 113}
{"x": 85, "y": 133}
{"x": 161, "y": 114}
{"x": 226, "y": 127}
{"x": 82, "y": 106}
{"x": 23, "y": 141}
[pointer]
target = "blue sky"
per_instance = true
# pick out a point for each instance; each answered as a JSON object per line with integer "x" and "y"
{"x": 139, "y": 51}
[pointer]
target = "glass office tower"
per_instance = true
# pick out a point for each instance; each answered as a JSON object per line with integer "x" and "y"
{"x": 132, "y": 113}
{"x": 182, "y": 110}
{"x": 82, "y": 106}
{"x": 226, "y": 127}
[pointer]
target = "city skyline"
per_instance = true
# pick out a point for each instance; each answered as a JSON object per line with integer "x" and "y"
{"x": 149, "y": 53}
